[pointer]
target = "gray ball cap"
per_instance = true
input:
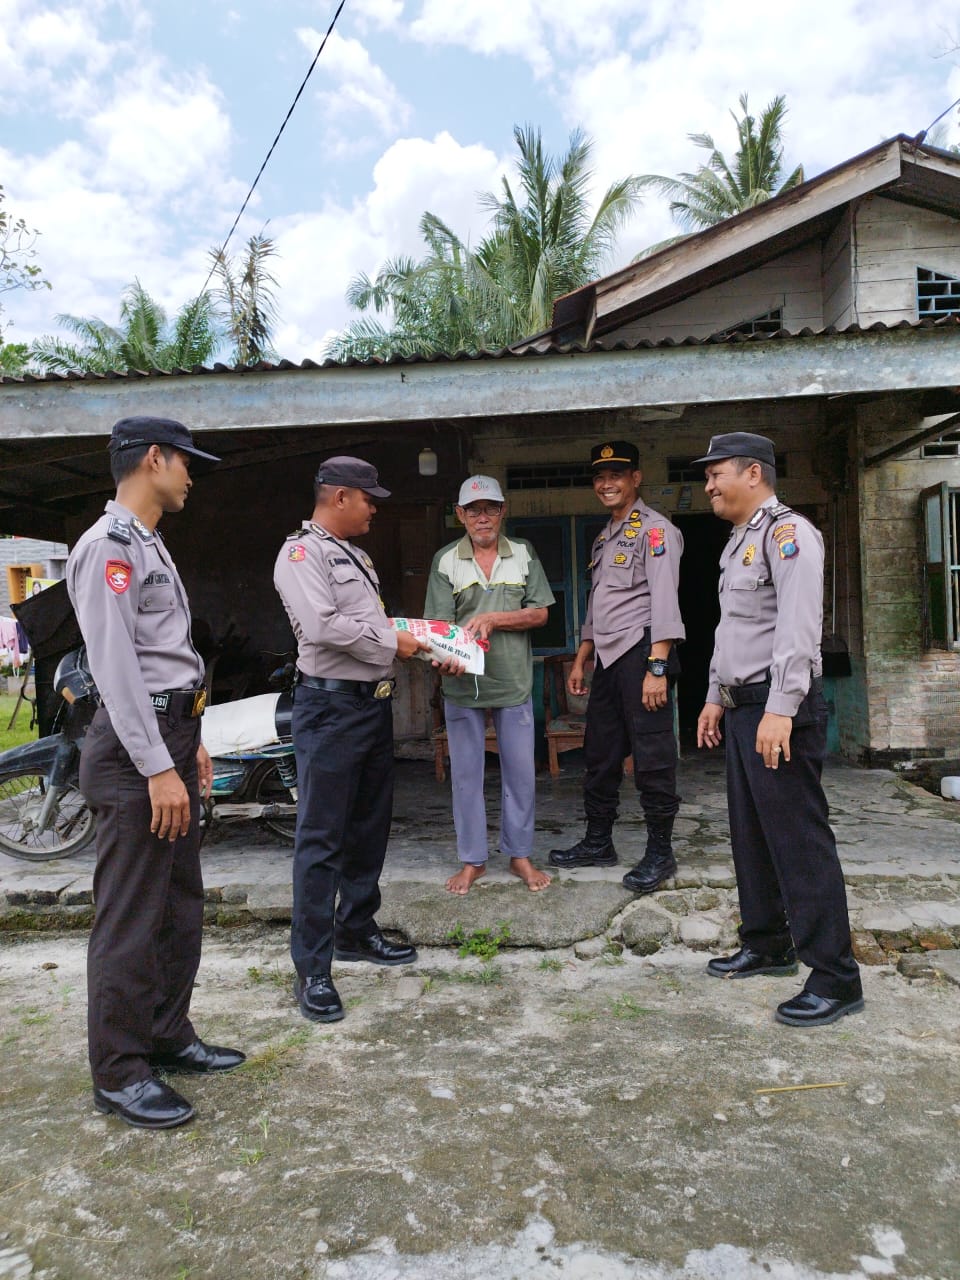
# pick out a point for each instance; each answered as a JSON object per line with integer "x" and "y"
{"x": 352, "y": 473}
{"x": 130, "y": 433}
{"x": 740, "y": 444}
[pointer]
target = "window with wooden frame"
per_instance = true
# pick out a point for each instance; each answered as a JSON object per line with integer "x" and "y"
{"x": 940, "y": 513}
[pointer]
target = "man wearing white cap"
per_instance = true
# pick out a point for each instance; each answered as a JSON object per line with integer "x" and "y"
{"x": 495, "y": 588}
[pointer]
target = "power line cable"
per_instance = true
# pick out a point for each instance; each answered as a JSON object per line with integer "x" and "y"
{"x": 253, "y": 186}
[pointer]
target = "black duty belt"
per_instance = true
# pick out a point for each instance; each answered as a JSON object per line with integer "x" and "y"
{"x": 185, "y": 703}
{"x": 745, "y": 695}
{"x": 369, "y": 688}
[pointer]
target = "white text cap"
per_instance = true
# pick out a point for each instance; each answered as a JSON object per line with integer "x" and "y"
{"x": 479, "y": 489}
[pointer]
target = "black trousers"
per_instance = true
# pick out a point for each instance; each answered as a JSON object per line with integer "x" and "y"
{"x": 144, "y": 946}
{"x": 788, "y": 873}
{"x": 618, "y": 725}
{"x": 344, "y": 749}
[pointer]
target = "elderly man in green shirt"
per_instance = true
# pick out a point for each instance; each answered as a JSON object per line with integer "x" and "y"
{"x": 495, "y": 588}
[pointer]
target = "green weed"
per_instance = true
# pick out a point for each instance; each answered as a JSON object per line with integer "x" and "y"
{"x": 550, "y": 964}
{"x": 490, "y": 975}
{"x": 627, "y": 1007}
{"x": 485, "y": 944}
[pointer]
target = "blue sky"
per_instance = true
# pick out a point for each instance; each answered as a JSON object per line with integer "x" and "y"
{"x": 131, "y": 129}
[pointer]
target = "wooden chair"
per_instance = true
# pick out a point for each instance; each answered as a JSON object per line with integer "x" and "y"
{"x": 565, "y": 716}
{"x": 441, "y": 751}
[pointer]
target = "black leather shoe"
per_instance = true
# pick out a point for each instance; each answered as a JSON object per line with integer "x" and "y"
{"x": 375, "y": 948}
{"x": 594, "y": 850}
{"x": 146, "y": 1104}
{"x": 198, "y": 1058}
{"x": 650, "y": 873}
{"x": 745, "y": 963}
{"x": 810, "y": 1010}
{"x": 318, "y": 999}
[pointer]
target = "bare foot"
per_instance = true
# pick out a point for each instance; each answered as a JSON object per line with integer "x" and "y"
{"x": 461, "y": 882}
{"x": 534, "y": 879}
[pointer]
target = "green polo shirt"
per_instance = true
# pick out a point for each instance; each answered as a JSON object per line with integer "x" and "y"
{"x": 458, "y": 591}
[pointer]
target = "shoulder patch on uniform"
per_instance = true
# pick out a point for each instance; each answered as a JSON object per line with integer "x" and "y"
{"x": 119, "y": 530}
{"x": 297, "y": 533}
{"x": 656, "y": 542}
{"x": 118, "y": 574}
{"x": 779, "y": 511}
{"x": 297, "y": 553}
{"x": 785, "y": 536}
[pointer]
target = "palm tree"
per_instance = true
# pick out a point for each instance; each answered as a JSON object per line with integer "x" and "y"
{"x": 543, "y": 241}
{"x": 719, "y": 189}
{"x": 247, "y": 301}
{"x": 548, "y": 243}
{"x": 144, "y": 338}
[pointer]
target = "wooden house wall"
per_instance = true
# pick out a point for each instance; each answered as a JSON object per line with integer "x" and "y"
{"x": 891, "y": 240}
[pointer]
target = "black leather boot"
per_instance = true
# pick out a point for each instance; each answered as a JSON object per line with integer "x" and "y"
{"x": 594, "y": 850}
{"x": 658, "y": 863}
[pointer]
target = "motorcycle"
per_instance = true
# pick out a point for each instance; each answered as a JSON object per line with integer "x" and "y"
{"x": 43, "y": 814}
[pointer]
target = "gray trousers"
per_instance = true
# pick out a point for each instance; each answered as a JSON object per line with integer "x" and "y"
{"x": 466, "y": 727}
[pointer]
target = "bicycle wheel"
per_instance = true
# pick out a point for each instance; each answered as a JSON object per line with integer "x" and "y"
{"x": 268, "y": 788}
{"x": 21, "y": 800}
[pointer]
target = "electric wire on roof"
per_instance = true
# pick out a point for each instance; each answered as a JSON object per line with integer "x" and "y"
{"x": 266, "y": 160}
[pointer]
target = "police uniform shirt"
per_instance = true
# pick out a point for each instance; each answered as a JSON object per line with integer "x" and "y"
{"x": 636, "y": 571}
{"x": 331, "y": 593}
{"x": 135, "y": 620}
{"x": 771, "y": 608}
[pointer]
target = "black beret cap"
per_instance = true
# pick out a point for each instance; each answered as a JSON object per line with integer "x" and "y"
{"x": 740, "y": 444}
{"x": 352, "y": 473}
{"x": 130, "y": 433}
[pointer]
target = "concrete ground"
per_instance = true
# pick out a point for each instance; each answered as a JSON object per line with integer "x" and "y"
{"x": 584, "y": 1104}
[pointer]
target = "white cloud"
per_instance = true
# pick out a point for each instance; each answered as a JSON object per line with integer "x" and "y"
{"x": 321, "y": 252}
{"x": 158, "y": 136}
{"x": 376, "y": 13}
{"x": 361, "y": 86}
{"x": 46, "y": 54}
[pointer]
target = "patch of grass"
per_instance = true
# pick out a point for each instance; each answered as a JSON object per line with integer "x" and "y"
{"x": 610, "y": 956}
{"x": 578, "y": 1014}
{"x": 627, "y": 1007}
{"x": 188, "y": 1217}
{"x": 550, "y": 964}
{"x": 34, "y": 1017}
{"x": 490, "y": 975}
{"x": 269, "y": 1062}
{"x": 21, "y": 731}
{"x": 275, "y": 976}
{"x": 251, "y": 1155}
{"x": 351, "y": 1002}
{"x": 485, "y": 944}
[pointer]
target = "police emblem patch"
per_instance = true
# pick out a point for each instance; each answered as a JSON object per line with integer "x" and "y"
{"x": 297, "y": 552}
{"x": 750, "y": 552}
{"x": 630, "y": 533}
{"x": 619, "y": 558}
{"x": 606, "y": 451}
{"x": 656, "y": 542}
{"x": 118, "y": 574}
{"x": 785, "y": 536}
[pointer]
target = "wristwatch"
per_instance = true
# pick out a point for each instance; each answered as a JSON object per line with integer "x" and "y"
{"x": 657, "y": 666}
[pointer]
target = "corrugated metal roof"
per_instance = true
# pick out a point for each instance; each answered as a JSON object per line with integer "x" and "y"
{"x": 504, "y": 353}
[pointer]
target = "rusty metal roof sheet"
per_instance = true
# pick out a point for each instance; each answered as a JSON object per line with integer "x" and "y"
{"x": 504, "y": 353}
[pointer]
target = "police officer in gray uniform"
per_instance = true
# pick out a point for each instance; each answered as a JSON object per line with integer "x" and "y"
{"x": 633, "y": 619}
{"x": 765, "y": 681}
{"x": 342, "y": 733}
{"x": 142, "y": 770}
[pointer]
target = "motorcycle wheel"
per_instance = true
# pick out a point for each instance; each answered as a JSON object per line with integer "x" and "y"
{"x": 21, "y": 798}
{"x": 267, "y": 788}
